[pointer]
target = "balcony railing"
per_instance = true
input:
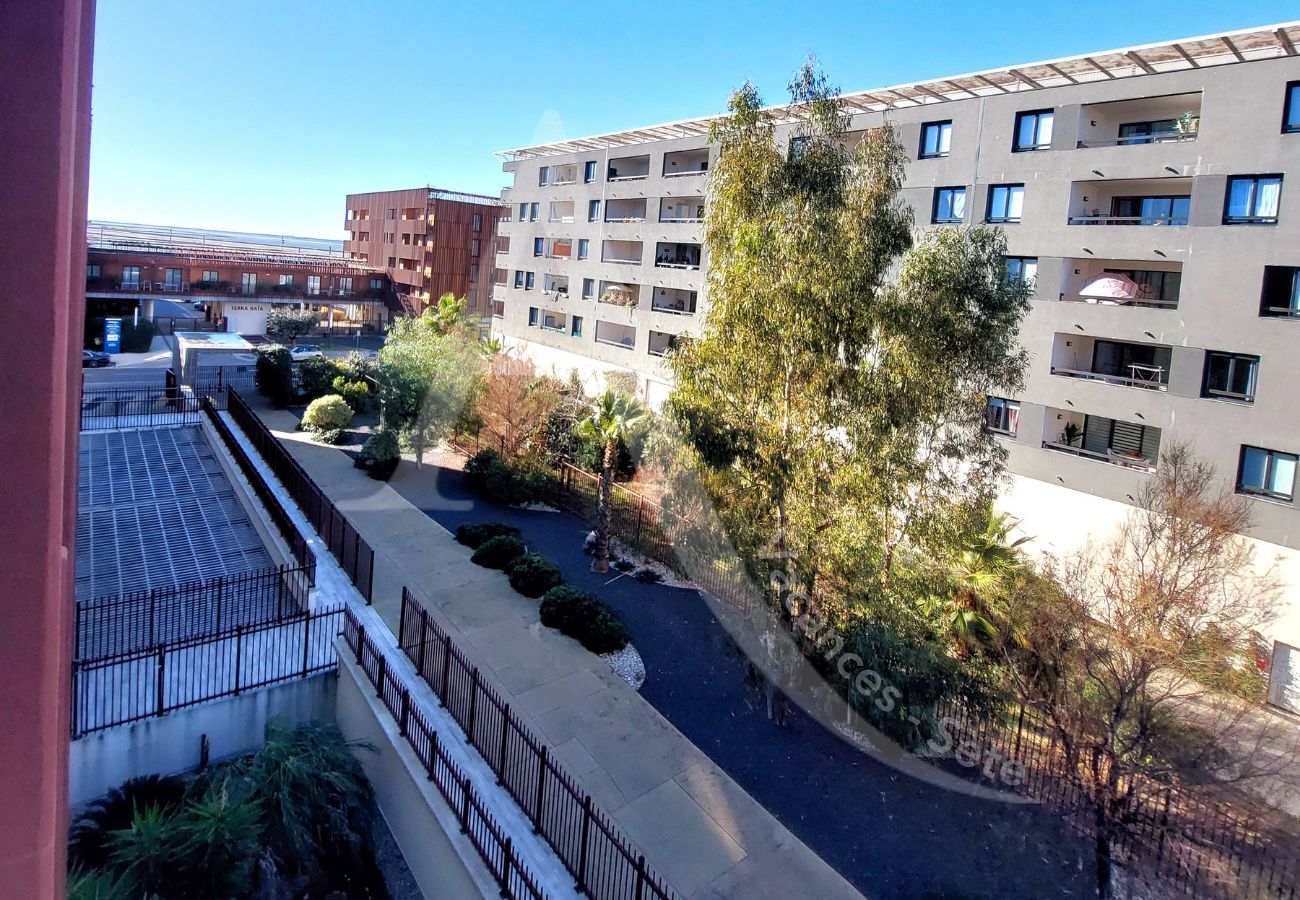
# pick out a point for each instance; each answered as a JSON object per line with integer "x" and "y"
{"x": 1141, "y": 376}
{"x": 558, "y": 329}
{"x": 1128, "y": 220}
{"x": 625, "y": 218}
{"x": 625, "y": 343}
{"x": 1159, "y": 137}
{"x": 674, "y": 221}
{"x": 676, "y": 265}
{"x": 1125, "y": 458}
{"x": 672, "y": 310}
{"x": 1151, "y": 302}
{"x": 620, "y": 262}
{"x": 683, "y": 174}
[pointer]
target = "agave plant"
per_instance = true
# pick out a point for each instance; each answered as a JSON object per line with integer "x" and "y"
{"x": 115, "y": 811}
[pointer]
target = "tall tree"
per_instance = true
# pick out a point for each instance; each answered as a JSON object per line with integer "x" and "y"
{"x": 836, "y": 397}
{"x": 611, "y": 419}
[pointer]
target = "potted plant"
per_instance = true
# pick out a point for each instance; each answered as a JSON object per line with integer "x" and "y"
{"x": 1187, "y": 123}
{"x": 1071, "y": 434}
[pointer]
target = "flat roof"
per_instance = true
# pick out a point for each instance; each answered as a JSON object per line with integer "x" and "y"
{"x": 217, "y": 339}
{"x": 214, "y": 245}
{"x": 1224, "y": 48}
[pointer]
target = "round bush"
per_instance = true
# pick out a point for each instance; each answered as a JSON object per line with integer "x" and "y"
{"x": 474, "y": 536}
{"x": 380, "y": 455}
{"x": 328, "y": 413}
{"x": 533, "y": 575}
{"x": 498, "y": 552}
{"x": 583, "y": 618}
{"x": 490, "y": 476}
{"x": 647, "y": 575}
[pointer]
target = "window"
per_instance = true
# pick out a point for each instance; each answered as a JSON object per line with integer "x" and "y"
{"x": 589, "y": 171}
{"x": 392, "y": 214}
{"x": 532, "y": 316}
{"x": 584, "y": 248}
{"x": 1023, "y": 269}
{"x": 249, "y": 282}
{"x": 1291, "y": 109}
{"x": 593, "y": 211}
{"x": 798, "y": 144}
{"x": 588, "y": 288}
{"x": 528, "y": 281}
{"x": 1003, "y": 416}
{"x": 313, "y": 284}
{"x": 1033, "y": 131}
{"x": 345, "y": 286}
{"x": 1152, "y": 284}
{"x": 473, "y": 247}
{"x": 392, "y": 262}
{"x": 577, "y": 326}
{"x": 286, "y": 279}
{"x": 1266, "y": 472}
{"x": 94, "y": 271}
{"x": 172, "y": 278}
{"x": 523, "y": 212}
{"x": 388, "y": 237}
{"x": 211, "y": 275}
{"x": 1253, "y": 200}
{"x": 1150, "y": 210}
{"x": 473, "y": 272}
{"x": 1005, "y": 202}
{"x": 949, "y": 205}
{"x": 130, "y": 276}
{"x": 538, "y": 245}
{"x": 1281, "y": 291}
{"x": 1230, "y": 375}
{"x": 936, "y": 138}
{"x": 541, "y": 175}
{"x": 478, "y": 222}
{"x": 519, "y": 278}
{"x": 1147, "y": 132}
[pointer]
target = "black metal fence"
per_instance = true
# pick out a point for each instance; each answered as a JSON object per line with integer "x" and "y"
{"x": 602, "y": 862}
{"x": 489, "y": 839}
{"x": 106, "y": 409}
{"x": 353, "y": 553}
{"x": 142, "y": 619}
{"x": 143, "y": 684}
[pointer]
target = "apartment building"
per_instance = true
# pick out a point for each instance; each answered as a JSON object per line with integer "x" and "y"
{"x": 428, "y": 241}
{"x": 1151, "y": 196}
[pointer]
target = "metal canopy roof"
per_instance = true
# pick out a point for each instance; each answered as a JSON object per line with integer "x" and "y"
{"x": 1266, "y": 42}
{"x": 201, "y": 245}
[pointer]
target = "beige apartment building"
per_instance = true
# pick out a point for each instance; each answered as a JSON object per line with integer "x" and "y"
{"x": 1151, "y": 196}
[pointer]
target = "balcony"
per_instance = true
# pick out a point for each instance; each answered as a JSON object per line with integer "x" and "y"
{"x": 621, "y": 253}
{"x": 1118, "y": 282}
{"x": 561, "y": 211}
{"x": 1143, "y": 366}
{"x": 555, "y": 285}
{"x": 564, "y": 174}
{"x": 662, "y": 343}
{"x": 674, "y": 301}
{"x": 558, "y": 248}
{"x": 677, "y": 255}
{"x": 621, "y": 210}
{"x": 616, "y": 335}
{"x": 681, "y": 209}
{"x": 617, "y": 293}
{"x": 629, "y": 168}
{"x": 1149, "y": 120}
{"x": 1098, "y": 438}
{"x": 1155, "y": 201}
{"x": 681, "y": 163}
{"x": 557, "y": 322}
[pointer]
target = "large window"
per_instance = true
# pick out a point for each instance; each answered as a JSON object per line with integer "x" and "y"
{"x": 248, "y": 282}
{"x": 211, "y": 275}
{"x": 1005, "y": 202}
{"x": 172, "y": 279}
{"x": 936, "y": 139}
{"x": 1291, "y": 109}
{"x": 1150, "y": 210}
{"x": 1281, "y": 295}
{"x": 1033, "y": 130}
{"x": 1023, "y": 269}
{"x": 94, "y": 270}
{"x": 1230, "y": 376}
{"x": 1267, "y": 472}
{"x": 1253, "y": 200}
{"x": 313, "y": 284}
{"x": 131, "y": 276}
{"x": 345, "y": 286}
{"x": 949, "y": 206}
{"x": 1003, "y": 416}
{"x": 1148, "y": 132}
{"x": 1153, "y": 285}
{"x": 589, "y": 171}
{"x": 286, "y": 280}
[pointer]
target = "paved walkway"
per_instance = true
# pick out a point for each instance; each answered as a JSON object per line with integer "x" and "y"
{"x": 698, "y": 827}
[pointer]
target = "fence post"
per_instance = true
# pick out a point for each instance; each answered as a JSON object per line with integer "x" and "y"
{"x": 541, "y": 780}
{"x": 153, "y": 616}
{"x": 239, "y": 652}
{"x": 581, "y": 884}
{"x": 464, "y": 805}
{"x": 381, "y": 675}
{"x": 306, "y": 642}
{"x": 640, "y": 511}
{"x": 424, "y": 639}
{"x": 361, "y": 639}
{"x": 505, "y": 733}
{"x": 507, "y": 860}
{"x": 446, "y": 668}
{"x": 220, "y": 585}
{"x": 406, "y": 711}
{"x": 473, "y": 706}
{"x": 161, "y": 686}
{"x": 640, "y": 877}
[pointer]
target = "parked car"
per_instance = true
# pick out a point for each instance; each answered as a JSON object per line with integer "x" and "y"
{"x": 304, "y": 351}
{"x": 95, "y": 359}
{"x": 198, "y": 305}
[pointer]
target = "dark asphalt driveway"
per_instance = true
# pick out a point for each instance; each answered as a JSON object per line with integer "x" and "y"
{"x": 893, "y": 837}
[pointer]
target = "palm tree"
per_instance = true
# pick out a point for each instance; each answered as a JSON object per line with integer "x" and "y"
{"x": 610, "y": 419}
{"x": 981, "y": 573}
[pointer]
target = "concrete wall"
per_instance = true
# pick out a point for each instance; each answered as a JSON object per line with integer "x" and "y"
{"x": 171, "y": 743}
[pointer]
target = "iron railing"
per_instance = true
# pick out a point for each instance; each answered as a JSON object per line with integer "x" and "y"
{"x": 494, "y": 846}
{"x": 604, "y": 865}
{"x": 109, "y": 409}
{"x": 151, "y": 682}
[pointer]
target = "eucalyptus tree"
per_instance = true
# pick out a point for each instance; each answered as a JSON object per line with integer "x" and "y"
{"x": 836, "y": 396}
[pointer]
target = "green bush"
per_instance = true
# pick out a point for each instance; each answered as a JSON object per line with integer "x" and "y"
{"x": 316, "y": 376}
{"x": 326, "y": 414}
{"x": 647, "y": 575}
{"x": 474, "y": 536}
{"x": 115, "y": 811}
{"x": 583, "y": 618}
{"x": 379, "y": 455}
{"x": 533, "y": 575}
{"x": 488, "y": 475}
{"x": 357, "y": 393}
{"x": 498, "y": 552}
{"x": 274, "y": 374}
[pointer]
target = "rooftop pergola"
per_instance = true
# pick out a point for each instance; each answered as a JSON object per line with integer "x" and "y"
{"x": 1227, "y": 48}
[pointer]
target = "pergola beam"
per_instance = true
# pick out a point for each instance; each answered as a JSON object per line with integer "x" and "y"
{"x": 1140, "y": 62}
{"x": 1233, "y": 47}
{"x": 1178, "y": 48}
{"x": 1284, "y": 39}
{"x": 1099, "y": 67}
{"x": 1019, "y": 73}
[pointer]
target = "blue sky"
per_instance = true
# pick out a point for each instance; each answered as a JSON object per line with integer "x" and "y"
{"x": 260, "y": 115}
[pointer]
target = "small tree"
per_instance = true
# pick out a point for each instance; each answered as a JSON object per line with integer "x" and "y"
{"x": 291, "y": 324}
{"x": 274, "y": 374}
{"x": 610, "y": 419}
{"x": 1109, "y": 657}
{"x": 513, "y": 405}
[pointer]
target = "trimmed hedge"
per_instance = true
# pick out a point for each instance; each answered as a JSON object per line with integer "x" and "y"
{"x": 533, "y": 575}
{"x": 474, "y": 536}
{"x": 584, "y": 618}
{"x": 379, "y": 456}
{"x": 491, "y": 477}
{"x": 498, "y": 552}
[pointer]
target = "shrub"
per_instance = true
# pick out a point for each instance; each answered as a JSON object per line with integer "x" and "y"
{"x": 474, "y": 536}
{"x": 379, "y": 455}
{"x": 583, "y": 618}
{"x": 498, "y": 552}
{"x": 327, "y": 414}
{"x": 623, "y": 565}
{"x": 647, "y": 575}
{"x": 488, "y": 475}
{"x": 316, "y": 376}
{"x": 533, "y": 575}
{"x": 115, "y": 811}
{"x": 356, "y": 393}
{"x": 274, "y": 374}
{"x": 329, "y": 435}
